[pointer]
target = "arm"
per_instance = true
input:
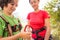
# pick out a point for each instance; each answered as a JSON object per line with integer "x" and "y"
{"x": 10, "y": 30}
{"x": 2, "y": 27}
{"x": 28, "y": 29}
{"x": 10, "y": 38}
{"x": 47, "y": 24}
{"x": 19, "y": 35}
{"x": 14, "y": 37}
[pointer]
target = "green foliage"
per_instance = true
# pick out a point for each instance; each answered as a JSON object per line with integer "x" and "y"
{"x": 55, "y": 17}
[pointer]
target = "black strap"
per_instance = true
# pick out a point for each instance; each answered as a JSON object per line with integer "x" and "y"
{"x": 43, "y": 28}
{"x": 8, "y": 26}
{"x": 4, "y": 19}
{"x": 37, "y": 31}
{"x": 14, "y": 29}
{"x": 38, "y": 36}
{"x": 20, "y": 26}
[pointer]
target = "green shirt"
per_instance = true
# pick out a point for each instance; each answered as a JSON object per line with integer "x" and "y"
{"x": 12, "y": 21}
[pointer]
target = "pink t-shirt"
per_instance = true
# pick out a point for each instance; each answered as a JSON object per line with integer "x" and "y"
{"x": 37, "y": 20}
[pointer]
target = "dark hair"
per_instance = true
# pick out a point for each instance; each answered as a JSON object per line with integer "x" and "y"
{"x": 5, "y": 3}
{"x": 29, "y": 0}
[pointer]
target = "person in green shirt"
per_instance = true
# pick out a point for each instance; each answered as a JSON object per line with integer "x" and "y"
{"x": 10, "y": 26}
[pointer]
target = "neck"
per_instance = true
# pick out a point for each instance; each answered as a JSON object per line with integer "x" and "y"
{"x": 36, "y": 10}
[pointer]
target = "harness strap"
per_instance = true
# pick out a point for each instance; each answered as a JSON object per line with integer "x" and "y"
{"x": 37, "y": 31}
{"x": 8, "y": 26}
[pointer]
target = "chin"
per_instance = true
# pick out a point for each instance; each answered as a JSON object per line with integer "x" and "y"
{"x": 10, "y": 12}
{"x": 35, "y": 8}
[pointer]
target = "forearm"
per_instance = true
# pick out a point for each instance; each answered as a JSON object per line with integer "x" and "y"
{"x": 11, "y": 37}
{"x": 48, "y": 29}
{"x": 47, "y": 35}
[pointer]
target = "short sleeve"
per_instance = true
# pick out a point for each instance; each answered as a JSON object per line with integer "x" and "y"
{"x": 2, "y": 26}
{"x": 28, "y": 17}
{"x": 46, "y": 14}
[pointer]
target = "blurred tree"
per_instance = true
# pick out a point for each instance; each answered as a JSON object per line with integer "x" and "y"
{"x": 53, "y": 8}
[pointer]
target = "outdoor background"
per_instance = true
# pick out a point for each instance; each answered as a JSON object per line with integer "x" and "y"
{"x": 52, "y": 6}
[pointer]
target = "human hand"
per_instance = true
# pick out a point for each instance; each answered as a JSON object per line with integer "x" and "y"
{"x": 25, "y": 34}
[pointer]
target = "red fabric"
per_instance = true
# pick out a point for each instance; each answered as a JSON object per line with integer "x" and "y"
{"x": 34, "y": 36}
{"x": 37, "y": 20}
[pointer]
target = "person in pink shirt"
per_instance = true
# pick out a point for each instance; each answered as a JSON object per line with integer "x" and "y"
{"x": 38, "y": 20}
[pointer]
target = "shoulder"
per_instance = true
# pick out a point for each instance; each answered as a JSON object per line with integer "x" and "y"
{"x": 43, "y": 11}
{"x": 31, "y": 12}
{"x": 2, "y": 23}
{"x": 1, "y": 19}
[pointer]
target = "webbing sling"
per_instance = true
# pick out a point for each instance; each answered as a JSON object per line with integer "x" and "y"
{"x": 37, "y": 31}
{"x": 8, "y": 26}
